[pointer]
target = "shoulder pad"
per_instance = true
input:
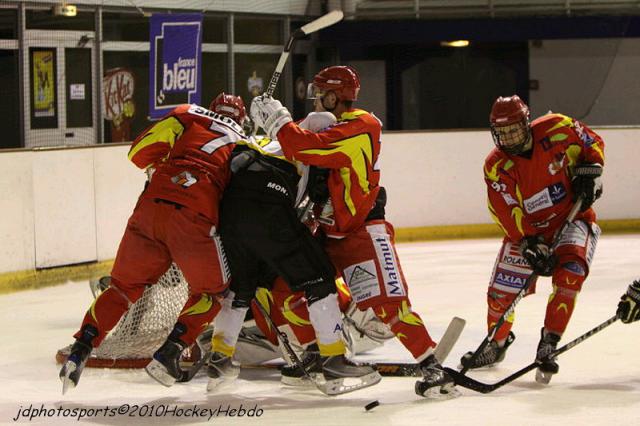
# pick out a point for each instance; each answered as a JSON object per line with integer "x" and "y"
{"x": 551, "y": 122}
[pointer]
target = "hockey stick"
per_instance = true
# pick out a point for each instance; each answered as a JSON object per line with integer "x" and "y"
{"x": 408, "y": 369}
{"x": 449, "y": 338}
{"x": 523, "y": 291}
{"x": 284, "y": 340}
{"x": 324, "y": 21}
{"x": 469, "y": 383}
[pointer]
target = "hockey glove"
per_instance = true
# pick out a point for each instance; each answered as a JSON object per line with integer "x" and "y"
{"x": 629, "y": 305}
{"x": 269, "y": 114}
{"x": 586, "y": 183}
{"x": 538, "y": 254}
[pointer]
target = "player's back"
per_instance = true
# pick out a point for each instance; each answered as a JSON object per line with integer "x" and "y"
{"x": 195, "y": 170}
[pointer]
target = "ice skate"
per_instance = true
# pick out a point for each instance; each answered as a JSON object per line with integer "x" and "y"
{"x": 164, "y": 367}
{"x": 548, "y": 367}
{"x": 292, "y": 375}
{"x": 436, "y": 381}
{"x": 73, "y": 366}
{"x": 342, "y": 375}
{"x": 221, "y": 370}
{"x": 490, "y": 356}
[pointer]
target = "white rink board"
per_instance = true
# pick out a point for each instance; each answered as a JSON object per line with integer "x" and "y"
{"x": 598, "y": 383}
{"x": 118, "y": 183}
{"x": 64, "y": 204}
{"x": 75, "y": 203}
{"x": 17, "y": 246}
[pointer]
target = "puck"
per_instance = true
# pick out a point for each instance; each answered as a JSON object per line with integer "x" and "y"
{"x": 372, "y": 405}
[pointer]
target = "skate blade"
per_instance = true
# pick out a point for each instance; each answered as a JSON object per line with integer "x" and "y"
{"x": 543, "y": 377}
{"x": 442, "y": 393}
{"x": 349, "y": 384}
{"x": 159, "y": 373}
{"x": 298, "y": 382}
{"x": 67, "y": 382}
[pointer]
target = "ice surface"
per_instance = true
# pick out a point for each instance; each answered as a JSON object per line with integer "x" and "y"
{"x": 598, "y": 383}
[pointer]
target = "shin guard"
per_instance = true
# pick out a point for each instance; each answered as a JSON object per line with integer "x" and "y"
{"x": 567, "y": 283}
{"x": 326, "y": 318}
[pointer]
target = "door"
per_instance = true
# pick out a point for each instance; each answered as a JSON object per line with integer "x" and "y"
{"x": 59, "y": 85}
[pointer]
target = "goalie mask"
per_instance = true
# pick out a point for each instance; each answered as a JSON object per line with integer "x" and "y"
{"x": 342, "y": 80}
{"x": 510, "y": 125}
{"x": 230, "y": 106}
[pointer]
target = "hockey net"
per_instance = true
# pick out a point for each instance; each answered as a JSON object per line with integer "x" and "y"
{"x": 143, "y": 328}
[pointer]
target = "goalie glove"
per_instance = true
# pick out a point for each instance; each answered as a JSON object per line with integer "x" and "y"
{"x": 586, "y": 183}
{"x": 629, "y": 305}
{"x": 269, "y": 114}
{"x": 538, "y": 254}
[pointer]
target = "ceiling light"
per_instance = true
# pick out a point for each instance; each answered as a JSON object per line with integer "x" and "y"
{"x": 455, "y": 43}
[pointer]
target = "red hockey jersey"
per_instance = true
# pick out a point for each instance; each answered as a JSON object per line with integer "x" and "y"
{"x": 189, "y": 150}
{"x": 530, "y": 196}
{"x": 350, "y": 149}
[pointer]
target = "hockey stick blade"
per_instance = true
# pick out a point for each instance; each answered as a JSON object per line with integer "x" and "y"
{"x": 469, "y": 383}
{"x": 449, "y": 338}
{"x": 324, "y": 21}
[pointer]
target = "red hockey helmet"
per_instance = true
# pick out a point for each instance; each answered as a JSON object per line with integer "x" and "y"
{"x": 342, "y": 80}
{"x": 510, "y": 126}
{"x": 230, "y": 106}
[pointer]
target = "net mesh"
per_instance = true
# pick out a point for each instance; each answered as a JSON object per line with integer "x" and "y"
{"x": 144, "y": 327}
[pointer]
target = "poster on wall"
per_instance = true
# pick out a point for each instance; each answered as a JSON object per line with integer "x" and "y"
{"x": 44, "y": 87}
{"x": 118, "y": 89}
{"x": 174, "y": 62}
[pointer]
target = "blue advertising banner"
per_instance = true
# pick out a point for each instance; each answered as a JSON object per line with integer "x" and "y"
{"x": 175, "y": 64}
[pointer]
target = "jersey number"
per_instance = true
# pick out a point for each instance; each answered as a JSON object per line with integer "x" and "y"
{"x": 219, "y": 141}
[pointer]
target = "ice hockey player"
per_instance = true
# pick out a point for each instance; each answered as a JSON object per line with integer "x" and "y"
{"x": 360, "y": 242}
{"x": 534, "y": 175}
{"x": 629, "y": 305}
{"x": 263, "y": 236}
{"x": 187, "y": 156}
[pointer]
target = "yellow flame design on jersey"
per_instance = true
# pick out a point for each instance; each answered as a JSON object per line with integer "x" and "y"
{"x": 291, "y": 316}
{"x": 565, "y": 122}
{"x": 165, "y": 131}
{"x": 492, "y": 174}
{"x": 342, "y": 287}
{"x": 265, "y": 298}
{"x": 406, "y": 316}
{"x": 563, "y": 306}
{"x": 518, "y": 215}
{"x": 401, "y": 335}
{"x": 382, "y": 314}
{"x": 559, "y": 137}
{"x": 92, "y": 309}
{"x": 203, "y": 305}
{"x": 359, "y": 149}
{"x": 494, "y": 216}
